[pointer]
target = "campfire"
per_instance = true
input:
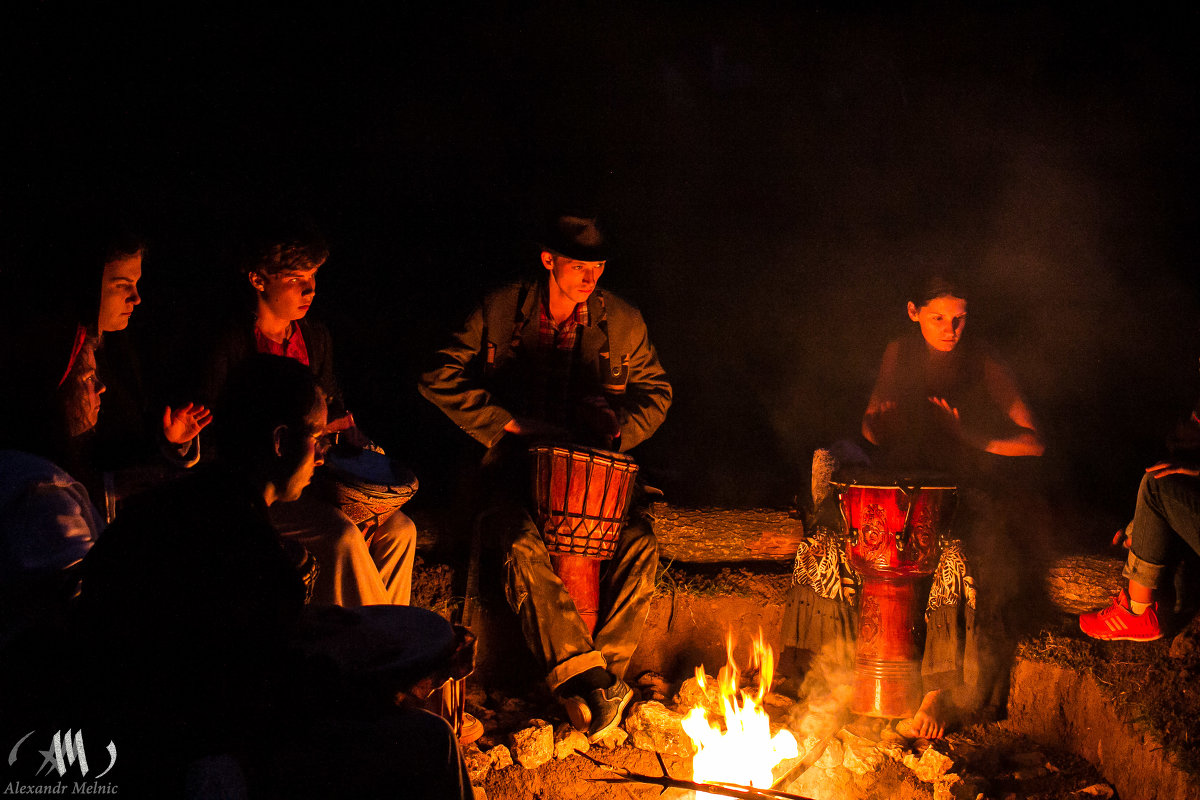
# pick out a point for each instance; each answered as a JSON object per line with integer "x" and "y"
{"x": 735, "y": 745}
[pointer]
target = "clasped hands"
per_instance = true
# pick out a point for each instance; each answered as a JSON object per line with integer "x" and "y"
{"x": 595, "y": 413}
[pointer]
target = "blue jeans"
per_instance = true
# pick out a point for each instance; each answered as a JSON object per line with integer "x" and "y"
{"x": 1167, "y": 515}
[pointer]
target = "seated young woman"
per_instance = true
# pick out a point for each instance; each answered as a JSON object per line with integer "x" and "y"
{"x": 138, "y": 440}
{"x": 941, "y": 404}
{"x": 47, "y": 520}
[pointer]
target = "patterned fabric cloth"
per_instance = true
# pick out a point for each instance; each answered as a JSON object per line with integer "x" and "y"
{"x": 821, "y": 566}
{"x": 953, "y": 584}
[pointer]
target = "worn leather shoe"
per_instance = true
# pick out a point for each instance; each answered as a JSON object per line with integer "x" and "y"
{"x": 607, "y": 706}
{"x": 577, "y": 712}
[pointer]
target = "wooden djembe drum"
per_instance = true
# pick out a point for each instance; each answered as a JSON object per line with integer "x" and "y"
{"x": 894, "y": 535}
{"x": 581, "y": 496}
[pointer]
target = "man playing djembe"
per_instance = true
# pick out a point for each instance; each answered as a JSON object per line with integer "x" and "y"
{"x": 556, "y": 359}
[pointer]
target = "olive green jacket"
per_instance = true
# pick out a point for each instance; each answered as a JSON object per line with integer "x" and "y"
{"x": 474, "y": 382}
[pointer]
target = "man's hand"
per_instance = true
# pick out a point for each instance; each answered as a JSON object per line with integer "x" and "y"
{"x": 535, "y": 428}
{"x": 597, "y": 414}
{"x": 181, "y": 425}
{"x": 1165, "y": 468}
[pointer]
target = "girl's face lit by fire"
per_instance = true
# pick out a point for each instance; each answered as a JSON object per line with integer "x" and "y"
{"x": 942, "y": 321}
{"x": 286, "y": 295}
{"x": 119, "y": 292}
{"x": 84, "y": 397}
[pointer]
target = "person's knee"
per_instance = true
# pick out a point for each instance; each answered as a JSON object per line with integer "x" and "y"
{"x": 524, "y": 557}
{"x": 640, "y": 543}
{"x": 398, "y": 532}
{"x": 525, "y": 542}
{"x": 345, "y": 537}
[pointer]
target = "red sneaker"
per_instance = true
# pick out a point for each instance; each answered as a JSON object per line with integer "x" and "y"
{"x": 1117, "y": 622}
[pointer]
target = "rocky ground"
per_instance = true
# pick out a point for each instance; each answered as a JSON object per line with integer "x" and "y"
{"x": 1080, "y": 718}
{"x": 541, "y": 758}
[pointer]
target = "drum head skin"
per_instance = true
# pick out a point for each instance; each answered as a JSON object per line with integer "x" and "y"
{"x": 366, "y": 468}
{"x": 883, "y": 479}
{"x": 592, "y": 453}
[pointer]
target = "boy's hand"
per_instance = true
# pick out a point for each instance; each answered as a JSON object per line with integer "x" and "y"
{"x": 181, "y": 425}
{"x": 348, "y": 432}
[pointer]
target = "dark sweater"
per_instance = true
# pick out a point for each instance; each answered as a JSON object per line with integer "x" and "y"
{"x": 237, "y": 343}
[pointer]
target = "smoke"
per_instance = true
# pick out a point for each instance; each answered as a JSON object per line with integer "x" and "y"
{"x": 825, "y": 695}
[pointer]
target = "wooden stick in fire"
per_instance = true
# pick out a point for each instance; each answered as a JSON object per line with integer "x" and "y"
{"x": 667, "y": 782}
{"x": 810, "y": 758}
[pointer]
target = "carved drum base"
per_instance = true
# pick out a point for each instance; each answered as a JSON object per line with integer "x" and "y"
{"x": 581, "y": 578}
{"x": 887, "y": 664}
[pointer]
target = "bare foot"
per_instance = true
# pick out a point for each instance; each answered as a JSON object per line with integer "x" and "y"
{"x": 928, "y": 722}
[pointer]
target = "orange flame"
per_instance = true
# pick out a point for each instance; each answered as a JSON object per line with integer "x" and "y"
{"x": 737, "y": 747}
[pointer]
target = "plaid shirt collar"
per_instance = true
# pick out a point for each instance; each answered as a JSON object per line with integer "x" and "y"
{"x": 560, "y": 336}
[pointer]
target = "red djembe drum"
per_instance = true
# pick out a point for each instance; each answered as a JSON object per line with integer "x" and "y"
{"x": 581, "y": 496}
{"x": 894, "y": 535}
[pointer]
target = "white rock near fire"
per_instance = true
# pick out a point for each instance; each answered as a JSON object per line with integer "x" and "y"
{"x": 930, "y": 766}
{"x": 613, "y": 739}
{"x": 652, "y": 726}
{"x": 478, "y": 763}
{"x": 533, "y": 746}
{"x": 567, "y": 740}
{"x": 501, "y": 757}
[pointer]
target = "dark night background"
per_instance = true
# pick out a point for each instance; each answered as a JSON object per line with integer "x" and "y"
{"x": 771, "y": 173}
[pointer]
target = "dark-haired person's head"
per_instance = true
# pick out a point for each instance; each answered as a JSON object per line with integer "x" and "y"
{"x": 281, "y": 266}
{"x": 119, "y": 290}
{"x": 270, "y": 425}
{"x": 54, "y": 392}
{"x": 574, "y": 251}
{"x": 100, "y": 258}
{"x": 940, "y": 310}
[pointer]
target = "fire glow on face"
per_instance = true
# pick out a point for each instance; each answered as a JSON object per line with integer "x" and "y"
{"x": 734, "y": 744}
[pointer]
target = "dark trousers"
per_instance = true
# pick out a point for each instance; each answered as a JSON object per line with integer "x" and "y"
{"x": 549, "y": 620}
